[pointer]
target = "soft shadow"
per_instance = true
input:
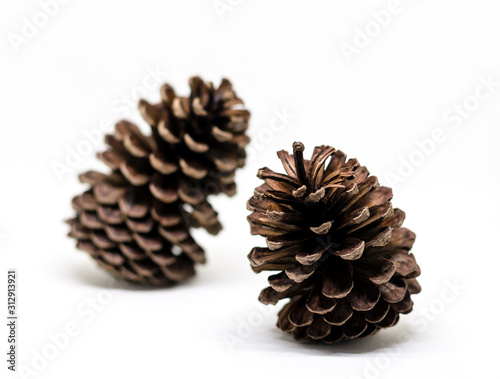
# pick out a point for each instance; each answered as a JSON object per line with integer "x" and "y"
{"x": 272, "y": 339}
{"x": 99, "y": 278}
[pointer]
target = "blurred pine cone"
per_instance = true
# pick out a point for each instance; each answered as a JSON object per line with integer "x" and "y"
{"x": 344, "y": 258}
{"x": 136, "y": 220}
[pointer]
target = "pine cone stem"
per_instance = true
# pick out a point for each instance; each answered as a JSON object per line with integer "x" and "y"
{"x": 298, "y": 149}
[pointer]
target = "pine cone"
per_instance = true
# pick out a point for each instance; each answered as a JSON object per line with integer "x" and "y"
{"x": 136, "y": 220}
{"x": 343, "y": 255}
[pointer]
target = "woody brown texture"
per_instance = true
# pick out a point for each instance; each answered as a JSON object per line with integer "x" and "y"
{"x": 135, "y": 221}
{"x": 344, "y": 260}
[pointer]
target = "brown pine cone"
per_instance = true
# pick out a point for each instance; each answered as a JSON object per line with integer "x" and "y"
{"x": 344, "y": 258}
{"x": 136, "y": 220}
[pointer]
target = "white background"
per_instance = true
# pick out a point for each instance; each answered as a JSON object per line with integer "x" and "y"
{"x": 377, "y": 105}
